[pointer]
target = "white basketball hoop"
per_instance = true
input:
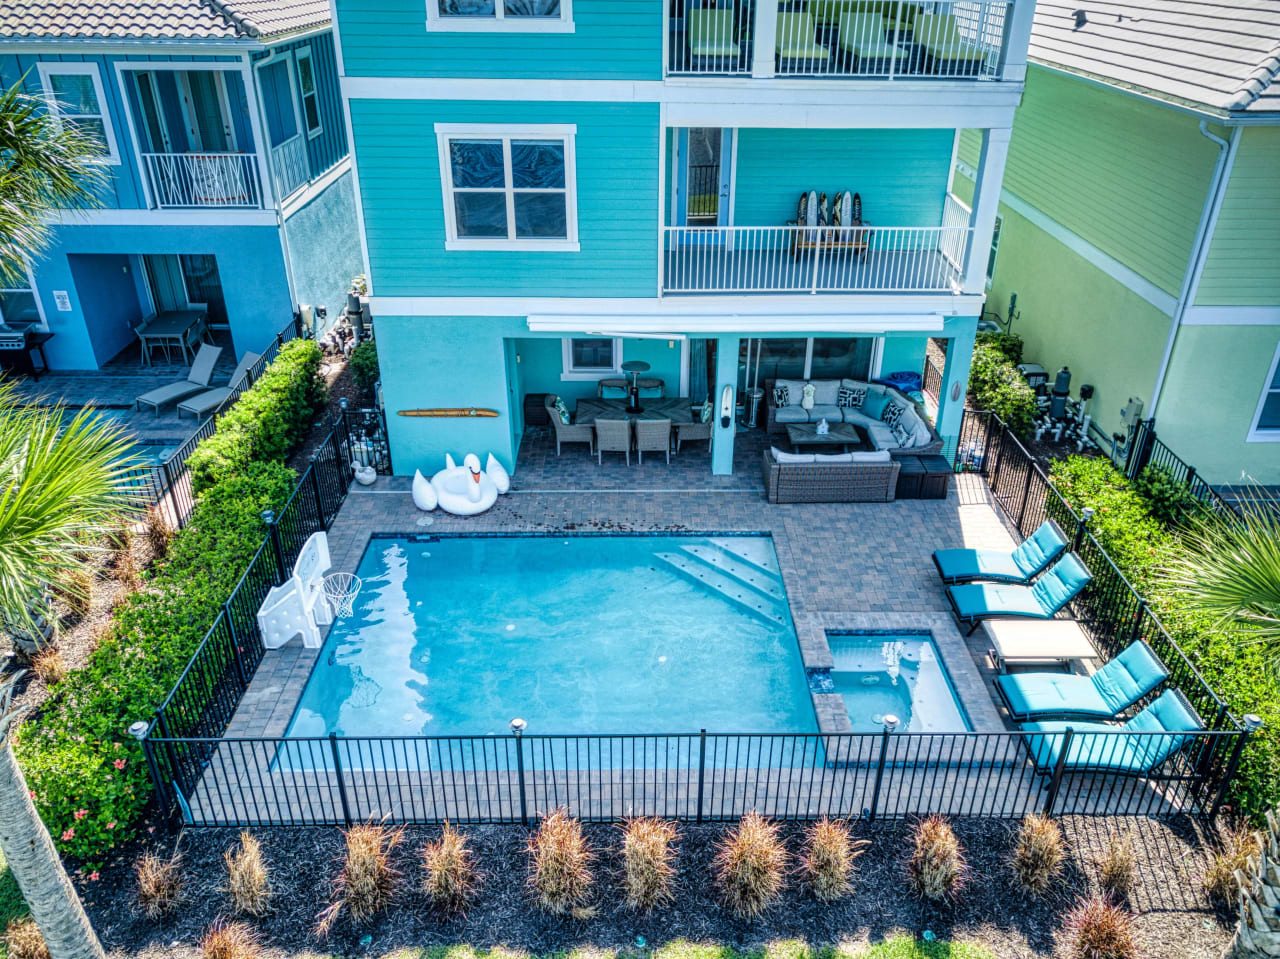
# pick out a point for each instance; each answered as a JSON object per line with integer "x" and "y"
{"x": 341, "y": 590}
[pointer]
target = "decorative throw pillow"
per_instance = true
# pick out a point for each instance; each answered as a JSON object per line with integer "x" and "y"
{"x": 844, "y": 396}
{"x": 873, "y": 404}
{"x": 562, "y": 411}
{"x": 782, "y": 396}
{"x": 891, "y": 415}
{"x": 705, "y": 415}
{"x": 902, "y": 436}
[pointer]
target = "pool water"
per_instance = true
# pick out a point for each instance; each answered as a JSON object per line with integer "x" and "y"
{"x": 895, "y": 674}
{"x": 577, "y": 635}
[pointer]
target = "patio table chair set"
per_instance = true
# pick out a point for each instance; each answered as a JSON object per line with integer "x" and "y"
{"x": 624, "y": 434}
{"x": 1035, "y": 582}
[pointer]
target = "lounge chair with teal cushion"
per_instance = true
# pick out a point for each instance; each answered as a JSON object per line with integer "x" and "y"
{"x": 796, "y": 38}
{"x": 862, "y": 36}
{"x": 1097, "y": 747}
{"x": 950, "y": 53}
{"x": 1119, "y": 684}
{"x": 710, "y": 33}
{"x": 1023, "y": 565}
{"x": 974, "y": 602}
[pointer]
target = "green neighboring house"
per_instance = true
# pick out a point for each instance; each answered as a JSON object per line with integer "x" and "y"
{"x": 1140, "y": 220}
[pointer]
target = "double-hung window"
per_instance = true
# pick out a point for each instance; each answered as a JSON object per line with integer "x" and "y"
{"x": 310, "y": 95}
{"x": 589, "y": 357}
{"x": 1266, "y": 420}
{"x": 508, "y": 187}
{"x": 76, "y": 99}
{"x": 512, "y": 16}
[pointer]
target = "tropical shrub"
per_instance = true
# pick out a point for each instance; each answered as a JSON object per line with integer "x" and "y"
{"x": 827, "y": 860}
{"x": 937, "y": 867}
{"x": 269, "y": 420}
{"x": 364, "y": 366}
{"x": 1171, "y": 503}
{"x": 1039, "y": 853}
{"x": 995, "y": 384}
{"x": 449, "y": 877}
{"x": 1008, "y": 345}
{"x": 367, "y": 881}
{"x": 751, "y": 865}
{"x": 560, "y": 865}
{"x": 648, "y": 862}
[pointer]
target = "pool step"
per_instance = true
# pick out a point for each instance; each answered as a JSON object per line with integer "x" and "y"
{"x": 737, "y": 567}
{"x": 753, "y": 550}
{"x": 728, "y": 587}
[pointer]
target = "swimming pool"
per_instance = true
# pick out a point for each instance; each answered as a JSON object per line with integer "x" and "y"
{"x": 879, "y": 674}
{"x": 580, "y": 634}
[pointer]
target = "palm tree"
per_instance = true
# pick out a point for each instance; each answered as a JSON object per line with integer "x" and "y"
{"x": 1231, "y": 568}
{"x": 46, "y": 166}
{"x": 28, "y": 847}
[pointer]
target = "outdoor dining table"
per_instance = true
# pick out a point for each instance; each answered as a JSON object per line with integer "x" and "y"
{"x": 167, "y": 328}
{"x": 674, "y": 408}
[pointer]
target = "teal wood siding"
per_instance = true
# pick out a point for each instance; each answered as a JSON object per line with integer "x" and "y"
{"x": 619, "y": 39}
{"x": 1241, "y": 268}
{"x": 901, "y": 175}
{"x": 330, "y": 146}
{"x": 123, "y": 190}
{"x": 400, "y": 190}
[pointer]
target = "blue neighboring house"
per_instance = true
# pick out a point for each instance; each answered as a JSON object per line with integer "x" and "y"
{"x": 223, "y": 133}
{"x": 550, "y": 189}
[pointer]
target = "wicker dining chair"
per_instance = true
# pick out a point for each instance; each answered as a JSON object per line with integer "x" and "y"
{"x": 613, "y": 436}
{"x": 697, "y": 430}
{"x": 568, "y": 432}
{"x": 654, "y": 436}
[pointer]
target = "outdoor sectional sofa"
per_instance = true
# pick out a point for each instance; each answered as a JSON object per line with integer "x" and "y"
{"x": 921, "y": 439}
{"x": 838, "y": 478}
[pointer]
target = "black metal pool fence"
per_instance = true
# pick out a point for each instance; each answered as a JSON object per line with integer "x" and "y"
{"x": 210, "y": 779}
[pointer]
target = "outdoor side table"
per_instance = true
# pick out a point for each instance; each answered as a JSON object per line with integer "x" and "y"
{"x": 1022, "y": 641}
{"x": 937, "y": 477}
{"x": 910, "y": 477}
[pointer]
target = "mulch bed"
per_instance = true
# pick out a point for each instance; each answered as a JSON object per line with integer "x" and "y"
{"x": 1174, "y": 917}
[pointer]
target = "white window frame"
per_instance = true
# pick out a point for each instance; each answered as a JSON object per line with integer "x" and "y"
{"x": 499, "y": 23}
{"x": 996, "y": 234}
{"x": 304, "y": 52}
{"x": 506, "y": 133}
{"x": 1259, "y": 434}
{"x": 51, "y": 68}
{"x": 294, "y": 92}
{"x": 43, "y": 325}
{"x": 570, "y": 372}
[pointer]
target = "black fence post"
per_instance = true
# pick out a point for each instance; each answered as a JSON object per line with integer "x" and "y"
{"x": 890, "y": 723}
{"x": 1026, "y": 495}
{"x": 342, "y": 785}
{"x": 235, "y": 645}
{"x": 175, "y": 774}
{"x": 1251, "y": 724}
{"x": 1082, "y": 527}
{"x": 1056, "y": 782}
{"x": 273, "y": 533}
{"x": 994, "y": 476}
{"x": 315, "y": 489}
{"x": 1136, "y": 632}
{"x": 702, "y": 767}
{"x": 517, "y": 730}
{"x": 386, "y": 440}
{"x": 157, "y": 781}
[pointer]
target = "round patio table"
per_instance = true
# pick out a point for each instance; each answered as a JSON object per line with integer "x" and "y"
{"x": 635, "y": 368}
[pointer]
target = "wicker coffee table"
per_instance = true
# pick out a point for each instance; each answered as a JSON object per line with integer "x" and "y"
{"x": 849, "y": 436}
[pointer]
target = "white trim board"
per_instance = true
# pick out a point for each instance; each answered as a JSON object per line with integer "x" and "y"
{"x": 1232, "y": 316}
{"x": 167, "y": 218}
{"x": 1130, "y": 279}
{"x": 779, "y": 310}
{"x": 804, "y": 325}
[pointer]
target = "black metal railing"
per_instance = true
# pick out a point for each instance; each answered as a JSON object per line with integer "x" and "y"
{"x": 932, "y": 380}
{"x": 1145, "y": 450}
{"x": 217, "y": 778}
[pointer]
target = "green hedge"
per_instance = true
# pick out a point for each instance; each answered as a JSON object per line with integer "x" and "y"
{"x": 364, "y": 366}
{"x": 89, "y": 778}
{"x": 268, "y": 421}
{"x": 995, "y": 383}
{"x": 1142, "y": 547}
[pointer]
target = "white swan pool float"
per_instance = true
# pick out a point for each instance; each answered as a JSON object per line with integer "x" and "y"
{"x": 462, "y": 490}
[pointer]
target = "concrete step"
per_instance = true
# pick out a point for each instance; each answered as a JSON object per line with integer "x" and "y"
{"x": 727, "y": 587}
{"x": 736, "y": 567}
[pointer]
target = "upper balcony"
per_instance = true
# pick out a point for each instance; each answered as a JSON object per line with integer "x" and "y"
{"x": 881, "y": 40}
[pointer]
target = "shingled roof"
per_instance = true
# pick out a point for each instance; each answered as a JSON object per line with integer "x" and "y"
{"x": 1221, "y": 55}
{"x": 160, "y": 19}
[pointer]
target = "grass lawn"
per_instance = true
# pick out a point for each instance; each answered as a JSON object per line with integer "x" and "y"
{"x": 898, "y": 947}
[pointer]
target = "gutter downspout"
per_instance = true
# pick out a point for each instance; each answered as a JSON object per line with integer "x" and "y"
{"x": 1199, "y": 250}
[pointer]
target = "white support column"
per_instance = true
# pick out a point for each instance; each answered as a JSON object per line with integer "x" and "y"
{"x": 986, "y": 204}
{"x": 765, "y": 38}
{"x": 1017, "y": 37}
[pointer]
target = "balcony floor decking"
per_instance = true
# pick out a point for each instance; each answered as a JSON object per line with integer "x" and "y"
{"x": 704, "y": 269}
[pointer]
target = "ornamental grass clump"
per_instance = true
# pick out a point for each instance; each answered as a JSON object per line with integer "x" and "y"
{"x": 449, "y": 877}
{"x": 22, "y": 939}
{"x": 937, "y": 866}
{"x": 159, "y": 533}
{"x": 1097, "y": 928}
{"x": 1039, "y": 854}
{"x": 230, "y": 940}
{"x": 160, "y": 884}
{"x": 75, "y": 589}
{"x": 827, "y": 860}
{"x": 648, "y": 862}
{"x": 248, "y": 879}
{"x": 1238, "y": 844}
{"x": 49, "y": 666}
{"x": 560, "y": 866}
{"x": 751, "y": 865}
{"x": 1117, "y": 867}
{"x": 367, "y": 881}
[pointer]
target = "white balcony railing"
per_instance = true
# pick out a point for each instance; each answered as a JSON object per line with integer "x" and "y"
{"x": 226, "y": 181}
{"x": 289, "y": 165}
{"x": 897, "y": 39}
{"x": 955, "y": 219}
{"x": 803, "y": 259}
